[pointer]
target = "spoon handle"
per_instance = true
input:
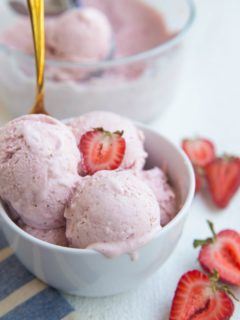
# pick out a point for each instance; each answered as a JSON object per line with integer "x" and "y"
{"x": 36, "y": 10}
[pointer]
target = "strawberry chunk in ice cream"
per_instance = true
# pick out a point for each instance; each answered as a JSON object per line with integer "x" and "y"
{"x": 135, "y": 155}
{"x": 115, "y": 207}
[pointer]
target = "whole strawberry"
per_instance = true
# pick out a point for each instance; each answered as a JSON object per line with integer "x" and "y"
{"x": 199, "y": 297}
{"x": 221, "y": 252}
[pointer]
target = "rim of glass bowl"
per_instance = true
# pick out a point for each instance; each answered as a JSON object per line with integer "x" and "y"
{"x": 122, "y": 60}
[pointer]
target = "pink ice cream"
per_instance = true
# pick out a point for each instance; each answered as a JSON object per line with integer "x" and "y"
{"x": 157, "y": 180}
{"x": 136, "y": 25}
{"x": 95, "y": 32}
{"x": 53, "y": 236}
{"x": 112, "y": 212}
{"x": 135, "y": 155}
{"x": 86, "y": 34}
{"x": 19, "y": 36}
{"x": 38, "y": 169}
{"x": 82, "y": 35}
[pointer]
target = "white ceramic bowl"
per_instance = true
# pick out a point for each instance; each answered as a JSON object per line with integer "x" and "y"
{"x": 89, "y": 273}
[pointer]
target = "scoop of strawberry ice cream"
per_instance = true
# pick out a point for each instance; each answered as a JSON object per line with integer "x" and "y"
{"x": 157, "y": 180}
{"x": 38, "y": 169}
{"x": 135, "y": 155}
{"x": 112, "y": 212}
{"x": 19, "y": 36}
{"x": 82, "y": 35}
{"x": 54, "y": 236}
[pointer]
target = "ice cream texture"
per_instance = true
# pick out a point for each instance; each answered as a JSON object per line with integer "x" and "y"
{"x": 19, "y": 36}
{"x": 137, "y": 26}
{"x": 157, "y": 180}
{"x": 135, "y": 155}
{"x": 113, "y": 212}
{"x": 93, "y": 32}
{"x": 82, "y": 35}
{"x": 54, "y": 236}
{"x": 38, "y": 169}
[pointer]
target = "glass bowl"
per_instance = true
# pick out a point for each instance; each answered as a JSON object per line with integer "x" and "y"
{"x": 140, "y": 86}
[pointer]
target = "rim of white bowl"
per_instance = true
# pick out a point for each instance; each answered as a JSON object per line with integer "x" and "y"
{"x": 154, "y": 52}
{"x": 182, "y": 212}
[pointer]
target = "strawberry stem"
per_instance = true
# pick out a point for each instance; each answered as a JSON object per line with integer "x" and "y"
{"x": 214, "y": 277}
{"x": 226, "y": 289}
{"x": 199, "y": 243}
{"x": 216, "y": 286}
{"x": 200, "y": 171}
{"x": 120, "y": 133}
{"x": 227, "y": 158}
{"x": 108, "y": 133}
{"x": 211, "y": 226}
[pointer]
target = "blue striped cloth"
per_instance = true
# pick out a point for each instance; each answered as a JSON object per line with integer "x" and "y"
{"x": 22, "y": 296}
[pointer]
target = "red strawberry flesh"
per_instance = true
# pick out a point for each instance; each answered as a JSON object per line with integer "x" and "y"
{"x": 223, "y": 255}
{"x": 198, "y": 182}
{"x": 200, "y": 151}
{"x": 195, "y": 299}
{"x": 199, "y": 178}
{"x": 223, "y": 179}
{"x": 102, "y": 150}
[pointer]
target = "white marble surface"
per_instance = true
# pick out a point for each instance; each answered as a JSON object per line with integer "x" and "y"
{"x": 208, "y": 103}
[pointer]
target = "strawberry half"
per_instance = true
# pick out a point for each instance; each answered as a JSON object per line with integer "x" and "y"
{"x": 199, "y": 180}
{"x": 200, "y": 151}
{"x": 198, "y": 183}
{"x": 221, "y": 253}
{"x": 223, "y": 179}
{"x": 199, "y": 297}
{"x": 102, "y": 150}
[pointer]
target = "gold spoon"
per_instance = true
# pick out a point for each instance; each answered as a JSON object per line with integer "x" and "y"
{"x": 36, "y": 10}
{"x": 52, "y": 7}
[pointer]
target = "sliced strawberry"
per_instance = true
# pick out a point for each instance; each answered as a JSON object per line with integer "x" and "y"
{"x": 200, "y": 151}
{"x": 221, "y": 253}
{"x": 199, "y": 297}
{"x": 223, "y": 179}
{"x": 199, "y": 181}
{"x": 102, "y": 150}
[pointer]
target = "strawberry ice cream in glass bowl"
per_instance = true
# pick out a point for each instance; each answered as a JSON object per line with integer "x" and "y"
{"x": 122, "y": 56}
{"x": 93, "y": 205}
